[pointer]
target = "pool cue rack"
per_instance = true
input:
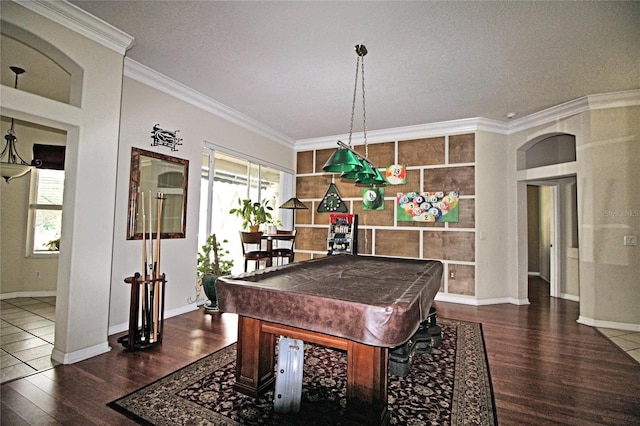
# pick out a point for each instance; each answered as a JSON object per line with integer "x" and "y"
{"x": 145, "y": 325}
{"x": 146, "y": 310}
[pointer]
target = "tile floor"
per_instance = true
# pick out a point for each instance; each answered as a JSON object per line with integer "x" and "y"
{"x": 628, "y": 341}
{"x": 27, "y": 333}
{"x": 26, "y": 336}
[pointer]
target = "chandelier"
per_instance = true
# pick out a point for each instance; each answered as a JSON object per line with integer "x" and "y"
{"x": 345, "y": 160}
{"x": 15, "y": 166}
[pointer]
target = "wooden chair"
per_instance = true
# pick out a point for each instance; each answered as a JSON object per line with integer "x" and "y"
{"x": 252, "y": 249}
{"x": 283, "y": 249}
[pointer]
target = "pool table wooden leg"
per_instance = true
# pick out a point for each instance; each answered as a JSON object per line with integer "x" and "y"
{"x": 367, "y": 384}
{"x": 366, "y": 367}
{"x": 255, "y": 358}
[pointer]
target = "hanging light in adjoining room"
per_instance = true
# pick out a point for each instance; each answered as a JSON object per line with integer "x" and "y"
{"x": 345, "y": 159}
{"x": 15, "y": 166}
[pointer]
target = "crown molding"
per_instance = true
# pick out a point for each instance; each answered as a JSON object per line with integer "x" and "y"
{"x": 548, "y": 115}
{"x": 467, "y": 125}
{"x": 555, "y": 113}
{"x": 148, "y": 76}
{"x": 614, "y": 100}
{"x": 76, "y": 19}
{"x": 576, "y": 106}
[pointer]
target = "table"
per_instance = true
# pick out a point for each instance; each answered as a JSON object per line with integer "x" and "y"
{"x": 282, "y": 236}
{"x": 362, "y": 304}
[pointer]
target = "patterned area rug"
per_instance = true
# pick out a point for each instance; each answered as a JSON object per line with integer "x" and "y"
{"x": 450, "y": 385}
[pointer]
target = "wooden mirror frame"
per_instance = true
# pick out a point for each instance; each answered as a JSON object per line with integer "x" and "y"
{"x": 175, "y": 221}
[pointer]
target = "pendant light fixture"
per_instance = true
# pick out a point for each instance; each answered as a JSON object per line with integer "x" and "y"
{"x": 15, "y": 166}
{"x": 347, "y": 161}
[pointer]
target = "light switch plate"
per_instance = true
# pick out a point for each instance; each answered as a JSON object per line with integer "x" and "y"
{"x": 630, "y": 240}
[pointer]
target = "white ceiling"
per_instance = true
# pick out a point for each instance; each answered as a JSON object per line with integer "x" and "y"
{"x": 291, "y": 65}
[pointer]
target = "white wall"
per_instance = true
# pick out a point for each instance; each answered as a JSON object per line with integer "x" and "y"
{"x": 95, "y": 256}
{"x": 492, "y": 240}
{"x": 142, "y": 107}
{"x": 90, "y": 170}
{"x": 21, "y": 275}
{"x": 608, "y": 176}
{"x": 609, "y": 202}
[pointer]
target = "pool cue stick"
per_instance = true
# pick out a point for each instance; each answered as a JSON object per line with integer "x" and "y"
{"x": 156, "y": 300}
{"x": 151, "y": 271}
{"x": 144, "y": 269}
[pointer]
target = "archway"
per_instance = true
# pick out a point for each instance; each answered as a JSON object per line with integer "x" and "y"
{"x": 549, "y": 160}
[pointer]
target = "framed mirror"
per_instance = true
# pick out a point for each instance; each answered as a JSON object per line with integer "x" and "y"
{"x": 157, "y": 176}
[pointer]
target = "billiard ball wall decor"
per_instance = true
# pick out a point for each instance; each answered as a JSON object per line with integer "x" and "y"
{"x": 427, "y": 206}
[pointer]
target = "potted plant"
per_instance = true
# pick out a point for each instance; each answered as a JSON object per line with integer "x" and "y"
{"x": 211, "y": 265}
{"x": 253, "y": 214}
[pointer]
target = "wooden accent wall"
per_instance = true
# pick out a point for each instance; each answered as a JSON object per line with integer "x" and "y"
{"x": 443, "y": 163}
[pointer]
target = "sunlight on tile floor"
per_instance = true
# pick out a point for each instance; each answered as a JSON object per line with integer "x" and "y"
{"x": 628, "y": 341}
{"x": 26, "y": 336}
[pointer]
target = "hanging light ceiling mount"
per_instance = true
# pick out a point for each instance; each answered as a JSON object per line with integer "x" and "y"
{"x": 15, "y": 166}
{"x": 345, "y": 160}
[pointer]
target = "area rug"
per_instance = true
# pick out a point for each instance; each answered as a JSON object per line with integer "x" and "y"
{"x": 451, "y": 385}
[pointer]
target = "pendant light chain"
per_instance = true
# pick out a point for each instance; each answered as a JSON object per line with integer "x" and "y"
{"x": 364, "y": 115}
{"x": 345, "y": 160}
{"x": 353, "y": 102}
{"x": 361, "y": 51}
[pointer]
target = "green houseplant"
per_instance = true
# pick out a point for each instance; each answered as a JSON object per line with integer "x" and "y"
{"x": 211, "y": 265}
{"x": 253, "y": 214}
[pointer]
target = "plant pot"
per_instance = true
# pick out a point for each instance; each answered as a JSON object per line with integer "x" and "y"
{"x": 209, "y": 285}
{"x": 254, "y": 228}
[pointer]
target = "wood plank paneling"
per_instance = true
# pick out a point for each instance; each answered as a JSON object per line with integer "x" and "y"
{"x": 302, "y": 256}
{"x": 420, "y": 156}
{"x": 412, "y": 185}
{"x": 421, "y": 152}
{"x": 346, "y": 188}
{"x": 464, "y": 282}
{"x": 391, "y": 242}
{"x": 322, "y": 155}
{"x": 323, "y": 218}
{"x": 303, "y": 217}
{"x": 380, "y": 154}
{"x": 462, "y": 148}
{"x": 365, "y": 241}
{"x": 374, "y": 217}
{"x": 312, "y": 186}
{"x": 449, "y": 245}
{"x": 312, "y": 239}
{"x": 461, "y": 179}
{"x": 304, "y": 162}
{"x": 466, "y": 214}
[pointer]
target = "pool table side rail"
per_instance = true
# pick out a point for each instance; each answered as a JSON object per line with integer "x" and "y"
{"x": 386, "y": 324}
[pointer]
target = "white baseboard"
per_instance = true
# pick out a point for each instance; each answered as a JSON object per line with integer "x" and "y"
{"x": 469, "y": 300}
{"x": 608, "y": 324}
{"x": 71, "y": 357}
{"x": 16, "y": 294}
{"x": 571, "y": 297}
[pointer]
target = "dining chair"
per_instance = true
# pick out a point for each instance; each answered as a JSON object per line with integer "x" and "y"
{"x": 283, "y": 249}
{"x": 252, "y": 249}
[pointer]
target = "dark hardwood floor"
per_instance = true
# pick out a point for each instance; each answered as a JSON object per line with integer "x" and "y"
{"x": 546, "y": 369}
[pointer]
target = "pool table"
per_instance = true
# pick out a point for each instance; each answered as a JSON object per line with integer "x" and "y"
{"x": 362, "y": 304}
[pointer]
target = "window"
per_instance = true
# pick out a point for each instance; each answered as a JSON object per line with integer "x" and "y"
{"x": 45, "y": 211}
{"x": 234, "y": 178}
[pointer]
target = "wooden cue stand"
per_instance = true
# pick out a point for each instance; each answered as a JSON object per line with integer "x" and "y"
{"x": 141, "y": 338}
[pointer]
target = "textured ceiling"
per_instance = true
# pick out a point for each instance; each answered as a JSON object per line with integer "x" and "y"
{"x": 291, "y": 65}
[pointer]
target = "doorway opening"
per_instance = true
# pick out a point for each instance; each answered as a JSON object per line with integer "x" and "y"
{"x": 547, "y": 175}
